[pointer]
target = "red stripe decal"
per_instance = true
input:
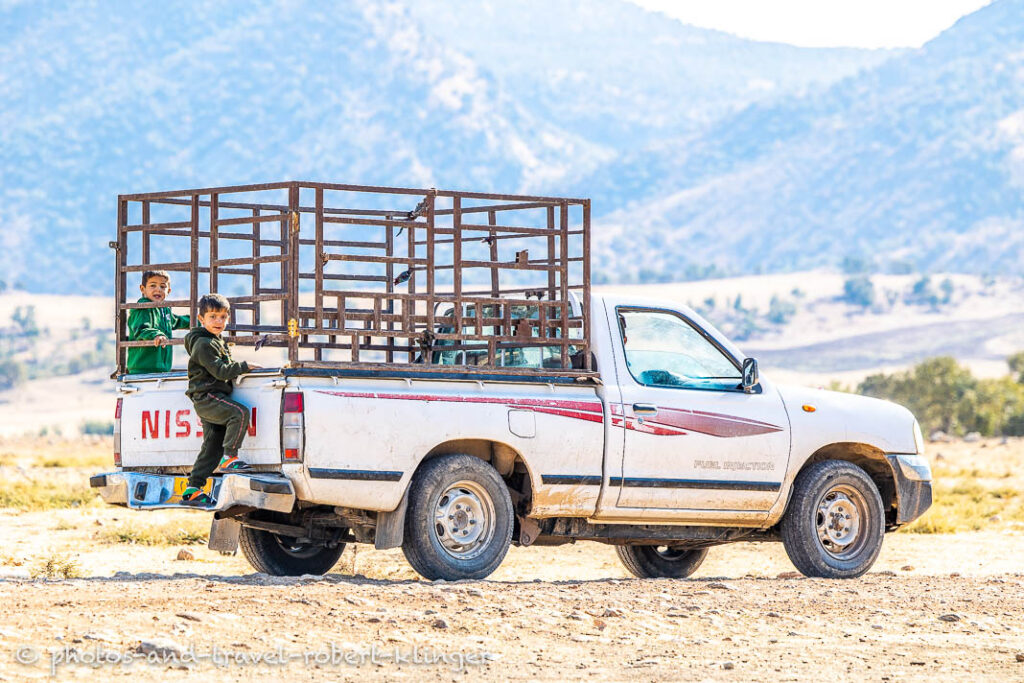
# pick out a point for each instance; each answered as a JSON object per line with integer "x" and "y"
{"x": 581, "y": 410}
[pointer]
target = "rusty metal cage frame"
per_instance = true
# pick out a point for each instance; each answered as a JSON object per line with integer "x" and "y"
{"x": 397, "y": 328}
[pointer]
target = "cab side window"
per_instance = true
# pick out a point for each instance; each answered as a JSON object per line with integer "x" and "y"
{"x": 664, "y": 350}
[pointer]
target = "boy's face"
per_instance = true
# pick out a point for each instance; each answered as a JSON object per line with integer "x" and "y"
{"x": 214, "y": 321}
{"x": 156, "y": 288}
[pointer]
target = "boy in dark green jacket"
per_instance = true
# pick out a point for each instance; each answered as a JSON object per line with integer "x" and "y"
{"x": 154, "y": 324}
{"x": 210, "y": 373}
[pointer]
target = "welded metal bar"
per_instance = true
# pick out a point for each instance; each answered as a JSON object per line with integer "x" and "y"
{"x": 247, "y": 220}
{"x": 346, "y": 243}
{"x": 194, "y": 192}
{"x": 383, "y": 222}
{"x": 145, "y": 235}
{"x": 492, "y": 218}
{"x": 521, "y": 230}
{"x": 500, "y": 207}
{"x": 214, "y": 244}
{"x": 367, "y": 258}
{"x": 431, "y": 263}
{"x": 121, "y": 284}
{"x": 563, "y": 277}
{"x": 183, "y": 266}
{"x": 389, "y": 285}
{"x": 551, "y": 254}
{"x": 193, "y": 293}
{"x": 585, "y": 313}
{"x": 146, "y": 226}
{"x": 257, "y": 241}
{"x": 293, "y": 268}
{"x": 347, "y": 277}
{"x": 457, "y": 260}
{"x": 319, "y": 293}
{"x": 407, "y": 324}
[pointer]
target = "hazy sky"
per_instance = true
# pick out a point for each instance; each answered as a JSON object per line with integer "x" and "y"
{"x": 818, "y": 23}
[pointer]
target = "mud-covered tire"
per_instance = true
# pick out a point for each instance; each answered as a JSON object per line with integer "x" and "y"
{"x": 281, "y": 556}
{"x": 834, "y": 525}
{"x": 657, "y": 562}
{"x": 459, "y": 521}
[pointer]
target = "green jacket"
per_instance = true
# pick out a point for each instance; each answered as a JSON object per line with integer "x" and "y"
{"x": 146, "y": 324}
{"x": 210, "y": 368}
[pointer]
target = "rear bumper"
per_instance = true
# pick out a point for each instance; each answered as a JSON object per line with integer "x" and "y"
{"x": 142, "y": 491}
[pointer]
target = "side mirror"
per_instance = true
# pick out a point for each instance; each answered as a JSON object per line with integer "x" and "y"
{"x": 750, "y": 376}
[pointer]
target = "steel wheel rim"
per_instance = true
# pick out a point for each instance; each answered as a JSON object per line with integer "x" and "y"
{"x": 464, "y": 520}
{"x": 839, "y": 521}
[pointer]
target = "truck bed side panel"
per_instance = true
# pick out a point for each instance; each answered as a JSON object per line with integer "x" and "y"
{"x": 366, "y": 437}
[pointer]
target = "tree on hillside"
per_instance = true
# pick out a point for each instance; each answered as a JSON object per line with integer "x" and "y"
{"x": 939, "y": 391}
{"x": 859, "y": 291}
{"x": 1016, "y": 363}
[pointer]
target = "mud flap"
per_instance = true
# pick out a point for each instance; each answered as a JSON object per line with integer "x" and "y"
{"x": 224, "y": 535}
{"x": 391, "y": 526}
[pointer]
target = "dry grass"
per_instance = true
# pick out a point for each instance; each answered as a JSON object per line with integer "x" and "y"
{"x": 56, "y": 566}
{"x": 88, "y": 460}
{"x": 183, "y": 532}
{"x": 31, "y": 495}
{"x": 977, "y": 486}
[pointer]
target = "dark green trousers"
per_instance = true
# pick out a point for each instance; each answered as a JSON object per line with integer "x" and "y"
{"x": 225, "y": 423}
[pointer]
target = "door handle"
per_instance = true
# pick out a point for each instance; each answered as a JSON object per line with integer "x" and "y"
{"x": 645, "y": 409}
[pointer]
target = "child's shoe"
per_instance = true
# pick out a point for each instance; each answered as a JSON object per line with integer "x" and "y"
{"x": 195, "y": 497}
{"x": 232, "y": 464}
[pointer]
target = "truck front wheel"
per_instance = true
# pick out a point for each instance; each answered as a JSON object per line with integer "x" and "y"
{"x": 283, "y": 556}
{"x": 834, "y": 525}
{"x": 655, "y": 561}
{"x": 459, "y": 521}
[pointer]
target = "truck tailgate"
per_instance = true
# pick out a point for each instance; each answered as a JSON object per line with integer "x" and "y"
{"x": 159, "y": 425}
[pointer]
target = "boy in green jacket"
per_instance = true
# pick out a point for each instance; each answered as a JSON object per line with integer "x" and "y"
{"x": 154, "y": 324}
{"x": 210, "y": 373}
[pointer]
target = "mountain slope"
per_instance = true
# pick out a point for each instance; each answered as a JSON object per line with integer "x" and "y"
{"x": 918, "y": 163}
{"x": 620, "y": 75}
{"x": 236, "y": 94}
{"x": 101, "y": 100}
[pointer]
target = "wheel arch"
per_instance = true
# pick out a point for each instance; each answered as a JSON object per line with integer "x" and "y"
{"x": 869, "y": 458}
{"x": 508, "y": 461}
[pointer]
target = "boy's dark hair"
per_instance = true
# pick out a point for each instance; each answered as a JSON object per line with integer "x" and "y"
{"x": 155, "y": 273}
{"x": 213, "y": 302}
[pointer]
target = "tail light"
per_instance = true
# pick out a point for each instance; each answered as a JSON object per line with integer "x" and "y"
{"x": 117, "y": 433}
{"x": 292, "y": 426}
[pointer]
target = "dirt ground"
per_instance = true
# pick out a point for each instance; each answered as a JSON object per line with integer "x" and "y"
{"x": 935, "y": 605}
{"x": 550, "y": 613}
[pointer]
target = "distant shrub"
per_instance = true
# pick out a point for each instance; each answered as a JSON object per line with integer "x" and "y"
{"x": 945, "y": 396}
{"x": 859, "y": 291}
{"x": 12, "y": 373}
{"x": 923, "y": 293}
{"x": 780, "y": 311}
{"x": 97, "y": 427}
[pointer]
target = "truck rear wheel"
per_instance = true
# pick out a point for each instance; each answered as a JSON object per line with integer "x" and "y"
{"x": 459, "y": 521}
{"x": 284, "y": 556}
{"x": 660, "y": 561}
{"x": 834, "y": 525}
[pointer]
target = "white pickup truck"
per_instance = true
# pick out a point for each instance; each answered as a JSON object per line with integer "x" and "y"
{"x": 676, "y": 445}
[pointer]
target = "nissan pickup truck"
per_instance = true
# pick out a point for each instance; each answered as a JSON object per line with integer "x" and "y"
{"x": 672, "y": 444}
